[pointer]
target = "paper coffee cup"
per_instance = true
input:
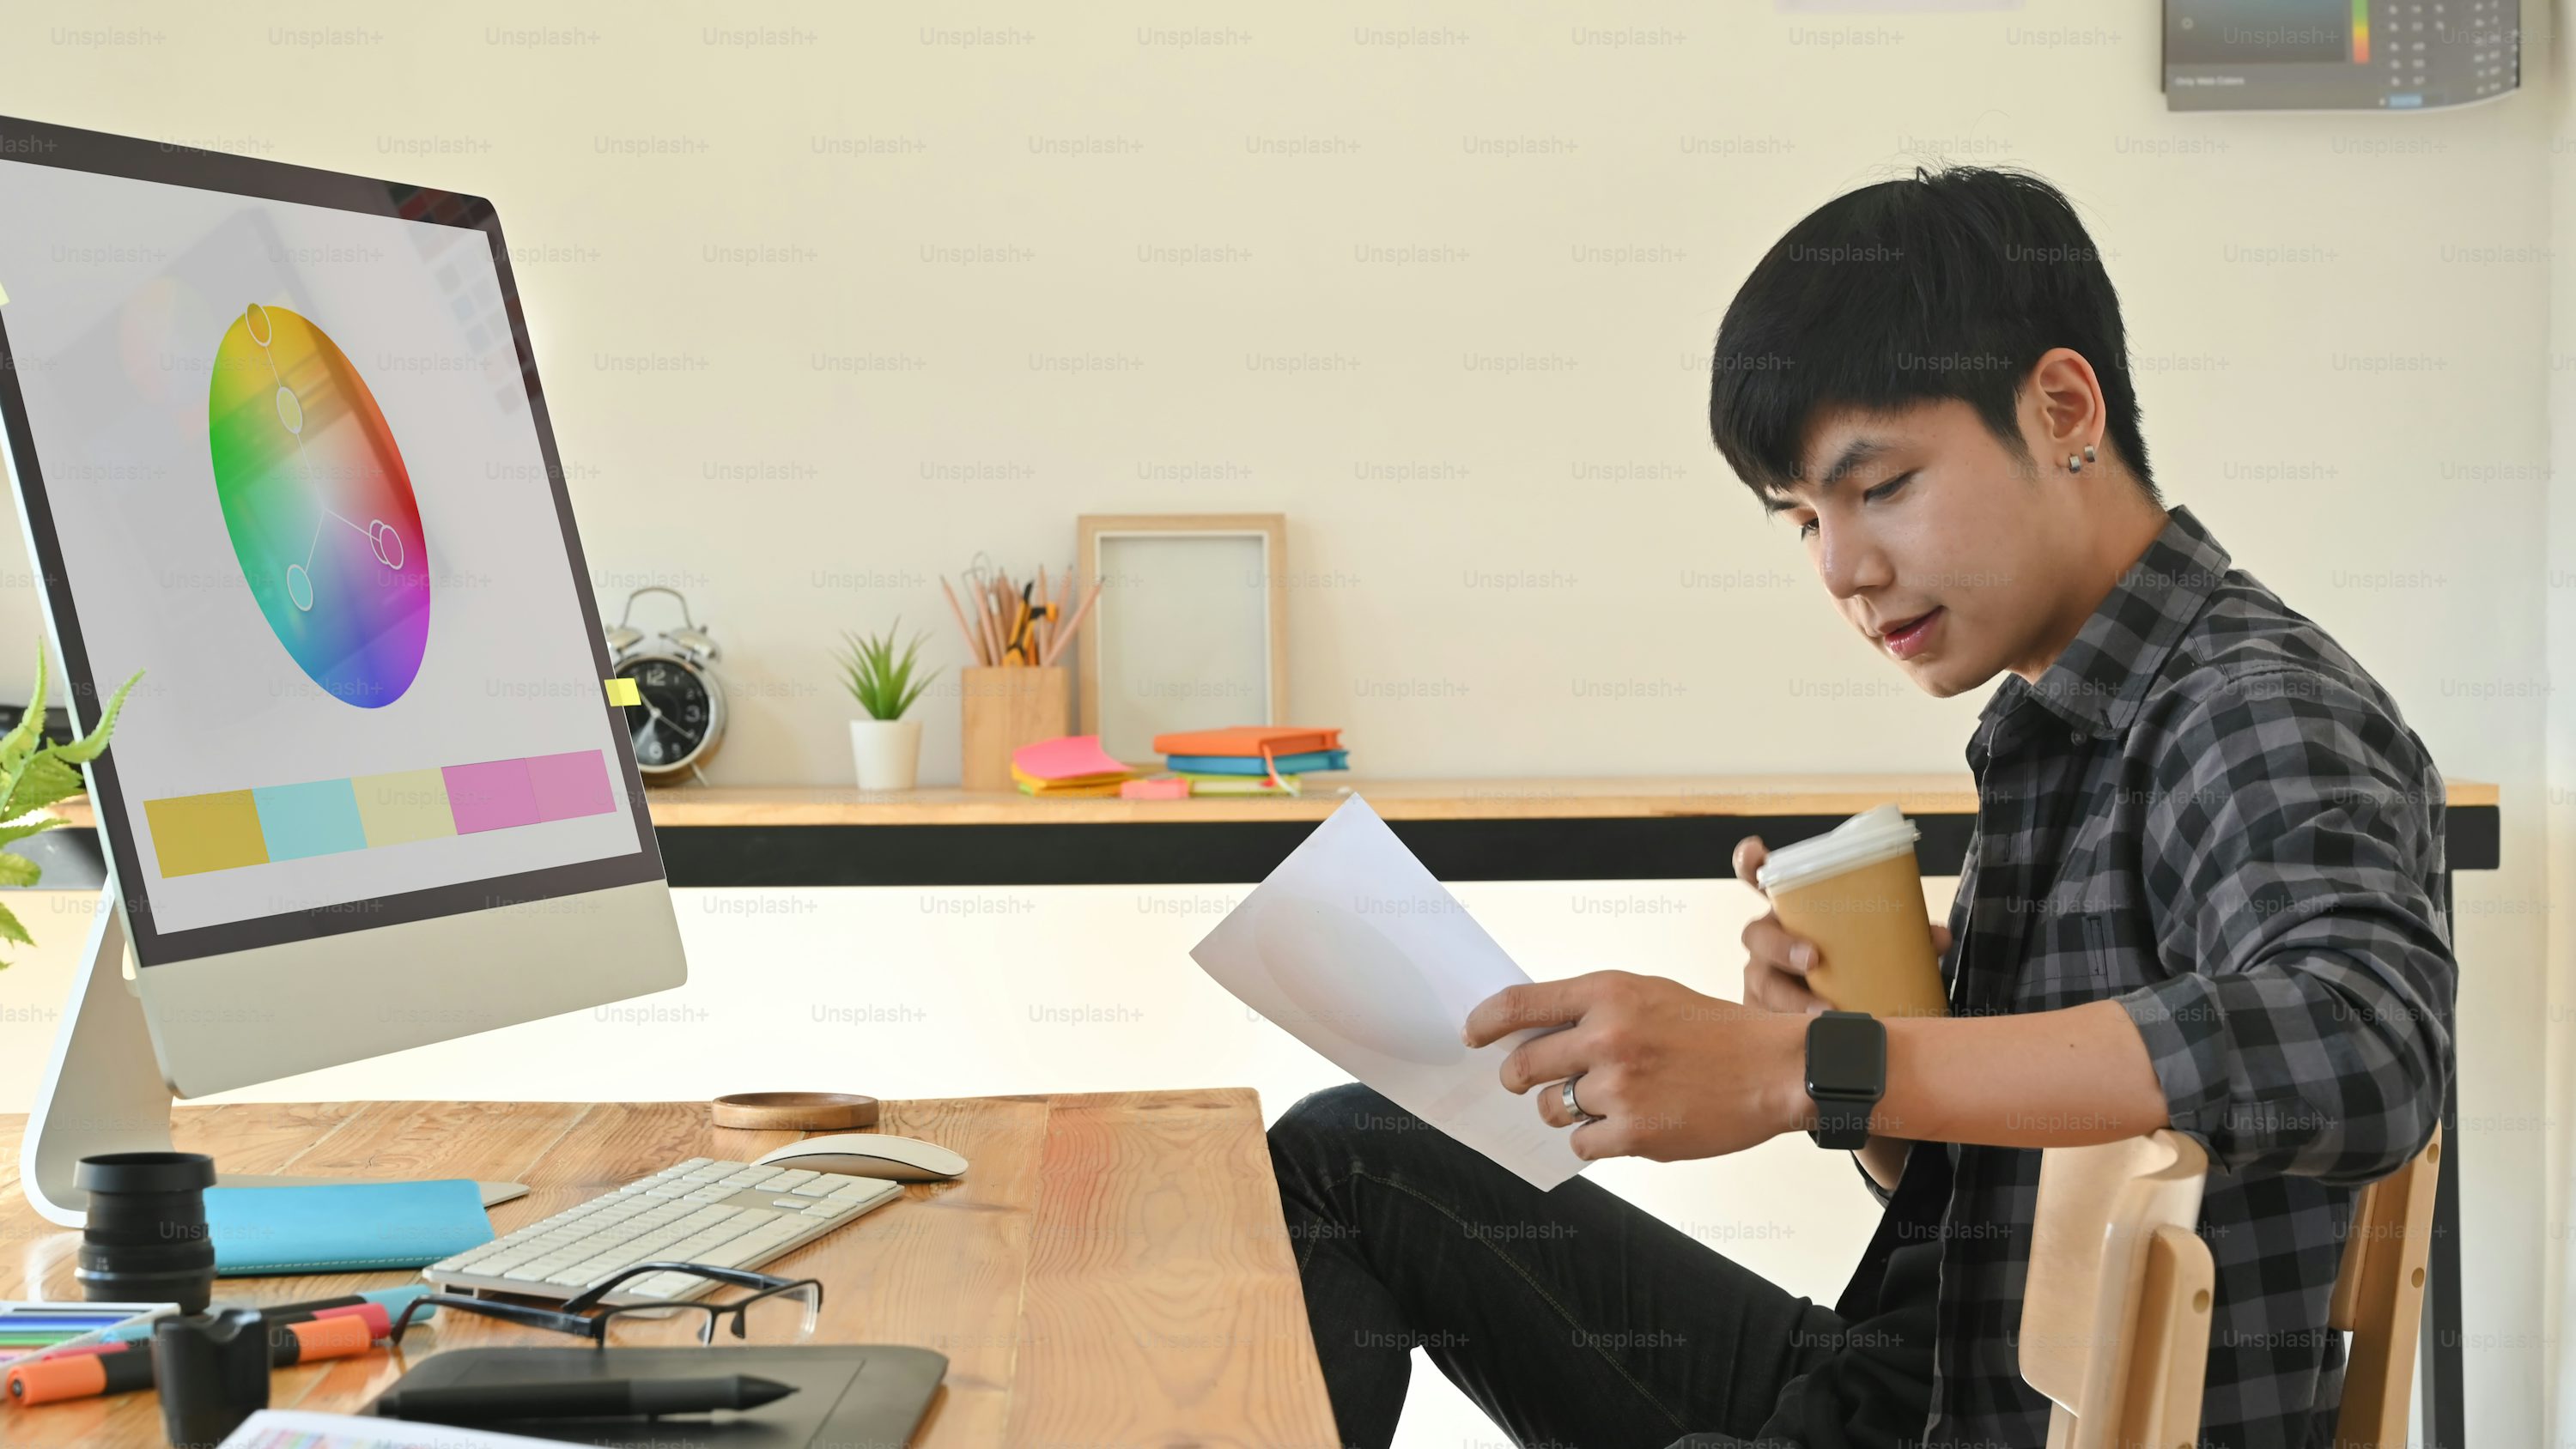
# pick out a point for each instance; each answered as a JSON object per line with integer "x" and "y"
{"x": 1856, "y": 892}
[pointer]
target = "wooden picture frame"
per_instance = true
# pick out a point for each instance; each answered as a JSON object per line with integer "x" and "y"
{"x": 1200, "y": 612}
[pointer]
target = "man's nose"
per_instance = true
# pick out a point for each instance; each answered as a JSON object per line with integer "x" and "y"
{"x": 1849, "y": 563}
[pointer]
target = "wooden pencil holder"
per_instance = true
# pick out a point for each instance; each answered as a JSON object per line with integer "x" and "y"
{"x": 1005, "y": 707}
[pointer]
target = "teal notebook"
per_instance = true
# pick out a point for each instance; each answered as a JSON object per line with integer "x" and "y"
{"x": 343, "y": 1227}
{"x": 1254, "y": 765}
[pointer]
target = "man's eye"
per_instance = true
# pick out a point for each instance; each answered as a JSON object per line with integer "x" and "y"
{"x": 1807, "y": 529}
{"x": 1888, "y": 489}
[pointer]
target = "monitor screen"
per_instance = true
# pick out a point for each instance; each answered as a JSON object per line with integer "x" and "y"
{"x": 280, "y": 447}
{"x": 2393, "y": 55}
{"x": 2216, "y": 32}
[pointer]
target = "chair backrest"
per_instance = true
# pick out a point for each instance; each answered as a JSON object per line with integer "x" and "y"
{"x": 2379, "y": 1299}
{"x": 2115, "y": 1312}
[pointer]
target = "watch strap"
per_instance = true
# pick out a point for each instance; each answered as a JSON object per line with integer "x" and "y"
{"x": 1842, "y": 1124}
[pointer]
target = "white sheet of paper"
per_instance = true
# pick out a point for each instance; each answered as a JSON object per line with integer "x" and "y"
{"x": 1355, "y": 949}
{"x": 283, "y": 1429}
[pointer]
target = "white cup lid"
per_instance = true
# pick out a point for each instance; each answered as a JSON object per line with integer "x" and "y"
{"x": 1865, "y": 839}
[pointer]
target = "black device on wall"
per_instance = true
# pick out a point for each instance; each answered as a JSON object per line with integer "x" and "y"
{"x": 2339, "y": 55}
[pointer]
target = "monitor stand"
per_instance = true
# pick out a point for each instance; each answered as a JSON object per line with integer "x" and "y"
{"x": 104, "y": 1092}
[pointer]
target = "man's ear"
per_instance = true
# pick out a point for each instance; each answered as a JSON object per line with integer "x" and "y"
{"x": 2067, "y": 400}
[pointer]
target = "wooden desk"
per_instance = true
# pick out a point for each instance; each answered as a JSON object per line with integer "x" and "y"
{"x": 1113, "y": 1269}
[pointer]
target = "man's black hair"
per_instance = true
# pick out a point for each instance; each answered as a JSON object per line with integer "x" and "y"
{"x": 1948, "y": 284}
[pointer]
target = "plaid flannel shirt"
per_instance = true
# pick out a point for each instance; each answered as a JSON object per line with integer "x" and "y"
{"x": 2206, "y": 811}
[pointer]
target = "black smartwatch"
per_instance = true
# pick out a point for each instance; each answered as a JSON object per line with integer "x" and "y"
{"x": 1846, "y": 1075}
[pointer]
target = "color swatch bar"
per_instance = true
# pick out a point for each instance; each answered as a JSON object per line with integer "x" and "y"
{"x": 2361, "y": 32}
{"x": 229, "y": 829}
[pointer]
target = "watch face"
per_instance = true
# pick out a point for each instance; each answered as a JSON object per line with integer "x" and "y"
{"x": 1846, "y": 1054}
{"x": 672, "y": 722}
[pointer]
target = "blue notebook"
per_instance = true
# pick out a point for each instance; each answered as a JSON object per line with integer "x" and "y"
{"x": 1304, "y": 764}
{"x": 343, "y": 1227}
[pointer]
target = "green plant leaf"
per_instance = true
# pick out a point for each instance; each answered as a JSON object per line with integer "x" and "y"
{"x": 46, "y": 780}
{"x": 903, "y": 672}
{"x": 34, "y": 774}
{"x": 24, "y": 828}
{"x": 87, "y": 748}
{"x": 20, "y": 743}
{"x": 12, "y": 931}
{"x": 882, "y": 684}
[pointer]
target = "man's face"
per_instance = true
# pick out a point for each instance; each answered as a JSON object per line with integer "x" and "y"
{"x": 1942, "y": 546}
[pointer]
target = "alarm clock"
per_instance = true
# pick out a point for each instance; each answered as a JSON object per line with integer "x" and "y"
{"x": 682, "y": 717}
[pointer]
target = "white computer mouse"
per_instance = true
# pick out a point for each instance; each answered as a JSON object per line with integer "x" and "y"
{"x": 871, "y": 1154}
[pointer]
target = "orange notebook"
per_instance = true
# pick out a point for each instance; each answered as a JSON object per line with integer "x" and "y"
{"x": 1251, "y": 742}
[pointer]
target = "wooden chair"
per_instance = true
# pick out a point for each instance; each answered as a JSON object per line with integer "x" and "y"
{"x": 2118, "y": 1278}
{"x": 2379, "y": 1299}
{"x": 2115, "y": 1313}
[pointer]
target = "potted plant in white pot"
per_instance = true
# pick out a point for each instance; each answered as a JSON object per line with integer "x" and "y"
{"x": 885, "y": 748}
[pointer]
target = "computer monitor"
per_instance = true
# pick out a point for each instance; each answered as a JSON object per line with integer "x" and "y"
{"x": 278, "y": 443}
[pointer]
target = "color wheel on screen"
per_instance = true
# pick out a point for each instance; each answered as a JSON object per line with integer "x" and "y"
{"x": 319, "y": 506}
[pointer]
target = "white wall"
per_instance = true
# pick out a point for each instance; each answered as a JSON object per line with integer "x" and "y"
{"x": 2557, "y": 46}
{"x": 2338, "y": 322}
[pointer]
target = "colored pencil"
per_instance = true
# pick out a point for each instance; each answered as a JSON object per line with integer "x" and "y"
{"x": 1075, "y": 623}
{"x": 1063, "y": 602}
{"x": 973, "y": 645}
{"x": 1037, "y": 645}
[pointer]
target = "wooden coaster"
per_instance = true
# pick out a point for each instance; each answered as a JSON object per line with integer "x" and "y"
{"x": 800, "y": 1111}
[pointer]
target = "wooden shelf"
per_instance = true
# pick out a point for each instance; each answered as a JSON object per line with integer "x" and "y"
{"x": 1497, "y": 799}
{"x": 1637, "y": 797}
{"x": 1646, "y": 827}
{"x": 1504, "y": 798}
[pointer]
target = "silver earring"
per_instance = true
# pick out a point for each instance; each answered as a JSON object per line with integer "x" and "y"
{"x": 2090, "y": 456}
{"x": 2074, "y": 464}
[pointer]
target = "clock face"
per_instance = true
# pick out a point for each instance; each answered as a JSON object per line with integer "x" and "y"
{"x": 678, "y": 712}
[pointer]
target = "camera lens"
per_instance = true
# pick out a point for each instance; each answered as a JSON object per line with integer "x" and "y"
{"x": 144, "y": 1240}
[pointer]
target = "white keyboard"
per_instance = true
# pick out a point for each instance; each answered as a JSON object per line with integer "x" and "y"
{"x": 726, "y": 1214}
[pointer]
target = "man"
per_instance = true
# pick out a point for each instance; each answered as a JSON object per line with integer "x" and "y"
{"x": 2203, "y": 893}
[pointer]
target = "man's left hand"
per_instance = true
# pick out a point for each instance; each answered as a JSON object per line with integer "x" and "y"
{"x": 1663, "y": 1072}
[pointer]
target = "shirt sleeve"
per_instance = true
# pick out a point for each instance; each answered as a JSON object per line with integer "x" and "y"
{"x": 2293, "y": 847}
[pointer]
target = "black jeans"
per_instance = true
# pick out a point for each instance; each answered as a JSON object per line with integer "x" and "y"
{"x": 1574, "y": 1319}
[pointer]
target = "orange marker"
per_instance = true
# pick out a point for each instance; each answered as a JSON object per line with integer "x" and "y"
{"x": 316, "y": 1339}
{"x": 129, "y": 1367}
{"x": 81, "y": 1376}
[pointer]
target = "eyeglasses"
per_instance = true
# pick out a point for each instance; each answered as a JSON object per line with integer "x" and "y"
{"x": 780, "y": 1310}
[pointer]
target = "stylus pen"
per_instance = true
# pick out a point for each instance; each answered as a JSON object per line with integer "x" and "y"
{"x": 581, "y": 1399}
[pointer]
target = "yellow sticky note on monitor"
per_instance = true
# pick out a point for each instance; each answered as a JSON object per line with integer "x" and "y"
{"x": 624, "y": 692}
{"x": 4, "y": 296}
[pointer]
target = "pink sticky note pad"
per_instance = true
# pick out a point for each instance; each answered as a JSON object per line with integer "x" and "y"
{"x": 1154, "y": 790}
{"x": 1068, "y": 758}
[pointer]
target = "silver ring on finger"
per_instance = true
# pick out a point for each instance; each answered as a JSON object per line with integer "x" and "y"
{"x": 1565, "y": 1098}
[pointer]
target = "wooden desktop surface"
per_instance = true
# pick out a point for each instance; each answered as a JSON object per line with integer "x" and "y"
{"x": 1113, "y": 1268}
